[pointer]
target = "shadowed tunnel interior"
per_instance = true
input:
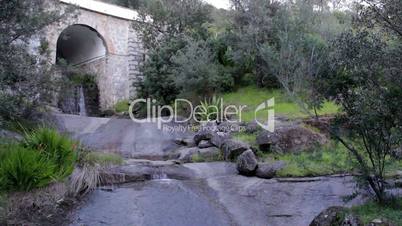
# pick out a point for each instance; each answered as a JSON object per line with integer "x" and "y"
{"x": 80, "y": 44}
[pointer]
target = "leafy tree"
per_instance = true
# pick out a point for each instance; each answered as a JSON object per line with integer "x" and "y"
{"x": 364, "y": 78}
{"x": 158, "y": 82}
{"x": 161, "y": 20}
{"x": 24, "y": 76}
{"x": 253, "y": 25}
{"x": 196, "y": 72}
{"x": 183, "y": 57}
{"x": 385, "y": 14}
{"x": 368, "y": 90}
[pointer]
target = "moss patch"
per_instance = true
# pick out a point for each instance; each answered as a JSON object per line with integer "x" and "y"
{"x": 122, "y": 106}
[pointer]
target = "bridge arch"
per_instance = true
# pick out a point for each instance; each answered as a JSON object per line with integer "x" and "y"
{"x": 79, "y": 44}
{"x": 107, "y": 46}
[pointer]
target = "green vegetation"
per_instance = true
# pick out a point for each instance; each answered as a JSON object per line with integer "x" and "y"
{"x": 122, "y": 106}
{"x": 19, "y": 65}
{"x": 102, "y": 159}
{"x": 391, "y": 211}
{"x": 251, "y": 96}
{"x": 247, "y": 138}
{"x": 330, "y": 159}
{"x": 201, "y": 158}
{"x": 211, "y": 109}
{"x": 87, "y": 175}
{"x": 44, "y": 156}
{"x": 55, "y": 148}
{"x": 23, "y": 169}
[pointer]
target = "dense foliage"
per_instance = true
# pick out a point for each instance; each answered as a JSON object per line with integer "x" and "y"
{"x": 23, "y": 169}
{"x": 194, "y": 54}
{"x": 359, "y": 69}
{"x": 44, "y": 156}
{"x": 24, "y": 73}
{"x": 55, "y": 148}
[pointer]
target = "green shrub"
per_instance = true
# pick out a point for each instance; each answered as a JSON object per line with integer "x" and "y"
{"x": 56, "y": 148}
{"x": 22, "y": 169}
{"x": 211, "y": 109}
{"x": 122, "y": 106}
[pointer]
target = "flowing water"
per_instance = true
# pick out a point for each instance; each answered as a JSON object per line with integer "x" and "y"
{"x": 81, "y": 102}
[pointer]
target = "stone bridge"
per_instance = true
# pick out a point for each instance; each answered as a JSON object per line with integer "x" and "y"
{"x": 99, "y": 38}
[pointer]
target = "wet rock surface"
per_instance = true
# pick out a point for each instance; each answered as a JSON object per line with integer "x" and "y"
{"x": 213, "y": 194}
{"x": 123, "y": 136}
{"x": 149, "y": 191}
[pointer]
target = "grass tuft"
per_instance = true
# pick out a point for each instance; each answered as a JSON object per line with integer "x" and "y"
{"x": 391, "y": 211}
{"x": 325, "y": 160}
{"x": 54, "y": 147}
{"x": 23, "y": 169}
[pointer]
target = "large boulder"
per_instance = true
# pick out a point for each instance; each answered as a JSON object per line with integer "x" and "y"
{"x": 247, "y": 163}
{"x": 203, "y": 135}
{"x": 188, "y": 155}
{"x": 219, "y": 138}
{"x": 336, "y": 215}
{"x": 291, "y": 139}
{"x": 233, "y": 148}
{"x": 205, "y": 144}
{"x": 215, "y": 138}
{"x": 269, "y": 170}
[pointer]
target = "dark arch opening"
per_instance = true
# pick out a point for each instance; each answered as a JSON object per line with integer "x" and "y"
{"x": 79, "y": 46}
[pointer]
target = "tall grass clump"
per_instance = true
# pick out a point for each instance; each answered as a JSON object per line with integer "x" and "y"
{"x": 53, "y": 147}
{"x": 22, "y": 169}
{"x": 91, "y": 170}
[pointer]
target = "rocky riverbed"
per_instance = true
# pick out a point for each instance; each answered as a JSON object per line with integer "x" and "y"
{"x": 153, "y": 190}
